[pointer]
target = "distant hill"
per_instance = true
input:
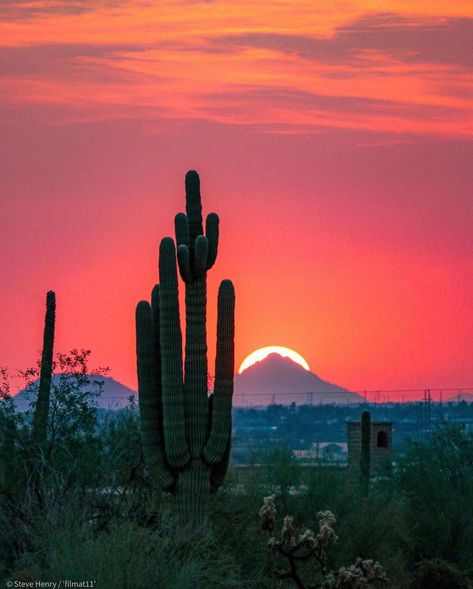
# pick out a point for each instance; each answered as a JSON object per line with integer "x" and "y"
{"x": 280, "y": 380}
{"x": 114, "y": 395}
{"x": 275, "y": 379}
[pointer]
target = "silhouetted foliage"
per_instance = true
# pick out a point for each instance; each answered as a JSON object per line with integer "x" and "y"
{"x": 438, "y": 574}
{"x": 435, "y": 480}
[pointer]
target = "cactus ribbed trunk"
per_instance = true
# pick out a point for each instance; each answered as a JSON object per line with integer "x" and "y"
{"x": 195, "y": 386}
{"x": 192, "y": 495}
{"x": 186, "y": 435}
{"x": 40, "y": 419}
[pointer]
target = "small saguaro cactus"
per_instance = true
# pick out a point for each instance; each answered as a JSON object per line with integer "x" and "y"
{"x": 186, "y": 433}
{"x": 365, "y": 453}
{"x": 40, "y": 418}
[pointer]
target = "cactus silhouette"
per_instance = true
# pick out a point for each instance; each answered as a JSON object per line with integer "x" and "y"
{"x": 365, "y": 454}
{"x": 186, "y": 434}
{"x": 39, "y": 431}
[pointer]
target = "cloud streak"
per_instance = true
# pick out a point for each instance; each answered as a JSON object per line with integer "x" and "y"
{"x": 285, "y": 64}
{"x": 385, "y": 38}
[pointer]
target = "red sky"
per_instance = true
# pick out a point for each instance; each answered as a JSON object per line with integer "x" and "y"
{"x": 334, "y": 141}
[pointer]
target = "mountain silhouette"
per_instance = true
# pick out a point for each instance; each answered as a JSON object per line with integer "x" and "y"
{"x": 114, "y": 394}
{"x": 280, "y": 380}
{"x": 272, "y": 380}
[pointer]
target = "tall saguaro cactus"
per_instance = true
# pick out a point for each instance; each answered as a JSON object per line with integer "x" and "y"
{"x": 40, "y": 419}
{"x": 186, "y": 433}
{"x": 365, "y": 453}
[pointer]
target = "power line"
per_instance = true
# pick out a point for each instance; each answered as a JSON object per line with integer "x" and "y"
{"x": 363, "y": 393}
{"x": 379, "y": 393}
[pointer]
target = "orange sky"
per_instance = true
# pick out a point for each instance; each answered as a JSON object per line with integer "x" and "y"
{"x": 334, "y": 141}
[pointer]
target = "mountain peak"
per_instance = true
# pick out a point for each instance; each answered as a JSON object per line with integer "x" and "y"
{"x": 274, "y": 361}
{"x": 281, "y": 380}
{"x": 114, "y": 395}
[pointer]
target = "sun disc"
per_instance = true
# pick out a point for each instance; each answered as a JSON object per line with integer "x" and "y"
{"x": 262, "y": 353}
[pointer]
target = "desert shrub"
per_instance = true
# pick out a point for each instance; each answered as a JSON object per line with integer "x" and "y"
{"x": 73, "y": 443}
{"x": 68, "y": 544}
{"x": 276, "y": 469}
{"x": 439, "y": 574}
{"x": 13, "y": 438}
{"x": 305, "y": 554}
{"x": 235, "y": 523}
{"x": 375, "y": 527}
{"x": 371, "y": 529}
{"x": 121, "y": 447}
{"x": 435, "y": 480}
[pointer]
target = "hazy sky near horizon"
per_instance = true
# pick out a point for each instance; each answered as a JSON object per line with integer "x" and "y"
{"x": 334, "y": 139}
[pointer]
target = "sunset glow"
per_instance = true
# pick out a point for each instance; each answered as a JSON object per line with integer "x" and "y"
{"x": 263, "y": 353}
{"x": 333, "y": 139}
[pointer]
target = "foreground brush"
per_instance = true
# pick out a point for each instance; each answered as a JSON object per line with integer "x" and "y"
{"x": 306, "y": 553}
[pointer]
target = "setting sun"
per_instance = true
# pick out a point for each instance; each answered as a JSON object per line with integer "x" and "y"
{"x": 262, "y": 353}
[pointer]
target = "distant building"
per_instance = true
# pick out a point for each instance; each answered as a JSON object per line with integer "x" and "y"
{"x": 381, "y": 442}
{"x": 326, "y": 451}
{"x": 333, "y": 451}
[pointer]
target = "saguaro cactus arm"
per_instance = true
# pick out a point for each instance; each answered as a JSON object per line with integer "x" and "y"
{"x": 221, "y": 417}
{"x": 174, "y": 425}
{"x": 184, "y": 262}
{"x": 181, "y": 226}
{"x": 150, "y": 393}
{"x": 219, "y": 471}
{"x": 40, "y": 418}
{"x": 193, "y": 206}
{"x": 211, "y": 231}
{"x": 201, "y": 252}
{"x": 189, "y": 233}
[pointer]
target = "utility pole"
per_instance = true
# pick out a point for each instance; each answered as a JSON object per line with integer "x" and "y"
{"x": 419, "y": 422}
{"x": 427, "y": 412}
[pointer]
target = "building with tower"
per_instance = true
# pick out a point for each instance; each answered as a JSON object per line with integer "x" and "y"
{"x": 380, "y": 443}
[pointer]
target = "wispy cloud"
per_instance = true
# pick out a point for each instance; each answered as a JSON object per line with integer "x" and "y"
{"x": 386, "y": 37}
{"x": 273, "y": 64}
{"x": 21, "y": 10}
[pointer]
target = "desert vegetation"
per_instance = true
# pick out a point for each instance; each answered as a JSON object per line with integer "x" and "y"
{"x": 101, "y": 516}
